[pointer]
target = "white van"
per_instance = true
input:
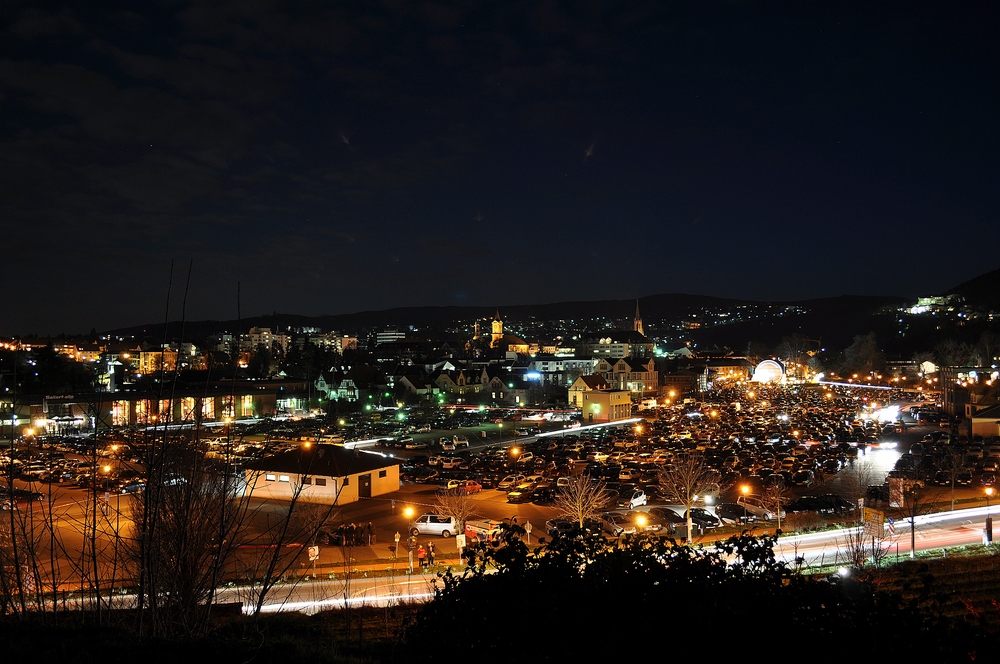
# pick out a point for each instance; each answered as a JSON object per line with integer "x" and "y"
{"x": 434, "y": 524}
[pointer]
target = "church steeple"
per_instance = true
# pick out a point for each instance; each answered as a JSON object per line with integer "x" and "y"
{"x": 637, "y": 321}
{"x": 497, "y": 331}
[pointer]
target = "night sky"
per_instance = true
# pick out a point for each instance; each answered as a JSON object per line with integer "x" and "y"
{"x": 333, "y": 157}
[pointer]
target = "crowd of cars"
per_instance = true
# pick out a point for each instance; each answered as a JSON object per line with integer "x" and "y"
{"x": 753, "y": 436}
{"x": 945, "y": 459}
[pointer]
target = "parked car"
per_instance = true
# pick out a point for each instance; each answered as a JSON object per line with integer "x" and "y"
{"x": 704, "y": 518}
{"x": 434, "y": 524}
{"x": 469, "y": 487}
{"x": 543, "y": 494}
{"x": 667, "y": 516}
{"x": 615, "y": 524}
{"x": 804, "y": 478}
{"x": 509, "y": 482}
{"x": 755, "y": 506}
{"x": 734, "y": 512}
{"x": 629, "y": 474}
{"x": 133, "y": 487}
{"x": 631, "y": 498}
{"x": 519, "y": 495}
{"x": 646, "y": 522}
{"x": 562, "y": 526}
{"x": 460, "y": 487}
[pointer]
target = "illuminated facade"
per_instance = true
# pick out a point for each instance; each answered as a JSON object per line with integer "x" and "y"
{"x": 496, "y": 335}
{"x": 638, "y": 376}
{"x": 606, "y": 406}
{"x": 769, "y": 371}
{"x": 323, "y": 474}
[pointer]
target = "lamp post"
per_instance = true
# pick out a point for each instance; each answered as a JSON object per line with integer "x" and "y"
{"x": 516, "y": 453}
{"x": 989, "y": 519}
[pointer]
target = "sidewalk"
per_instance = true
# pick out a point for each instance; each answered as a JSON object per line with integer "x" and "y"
{"x": 340, "y": 560}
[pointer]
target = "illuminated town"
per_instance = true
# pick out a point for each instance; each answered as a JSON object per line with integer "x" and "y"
{"x": 378, "y": 332}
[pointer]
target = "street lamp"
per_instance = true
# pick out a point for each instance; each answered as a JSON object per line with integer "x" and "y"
{"x": 515, "y": 452}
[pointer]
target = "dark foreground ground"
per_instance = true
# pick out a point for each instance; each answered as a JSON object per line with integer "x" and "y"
{"x": 959, "y": 587}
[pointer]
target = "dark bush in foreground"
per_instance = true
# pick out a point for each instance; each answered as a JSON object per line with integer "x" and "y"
{"x": 578, "y": 598}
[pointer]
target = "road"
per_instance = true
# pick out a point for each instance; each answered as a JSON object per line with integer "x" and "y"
{"x": 826, "y": 549}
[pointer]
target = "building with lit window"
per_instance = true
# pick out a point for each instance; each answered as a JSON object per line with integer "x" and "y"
{"x": 637, "y": 375}
{"x": 606, "y": 406}
{"x": 324, "y": 474}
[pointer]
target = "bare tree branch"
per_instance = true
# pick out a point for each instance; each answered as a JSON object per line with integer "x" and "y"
{"x": 582, "y": 499}
{"x": 687, "y": 479}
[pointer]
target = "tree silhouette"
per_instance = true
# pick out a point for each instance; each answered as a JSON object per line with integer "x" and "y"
{"x": 686, "y": 480}
{"x": 582, "y": 499}
{"x": 585, "y": 584}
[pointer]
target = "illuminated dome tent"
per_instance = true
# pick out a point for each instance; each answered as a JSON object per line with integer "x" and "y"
{"x": 768, "y": 371}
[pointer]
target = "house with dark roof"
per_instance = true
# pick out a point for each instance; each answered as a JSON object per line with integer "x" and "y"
{"x": 326, "y": 474}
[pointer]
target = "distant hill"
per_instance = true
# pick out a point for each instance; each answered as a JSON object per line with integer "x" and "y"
{"x": 653, "y": 307}
{"x": 982, "y": 292}
{"x": 833, "y": 321}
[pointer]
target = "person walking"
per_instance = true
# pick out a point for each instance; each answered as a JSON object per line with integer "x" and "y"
{"x": 421, "y": 556}
{"x": 430, "y": 553}
{"x": 369, "y": 534}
